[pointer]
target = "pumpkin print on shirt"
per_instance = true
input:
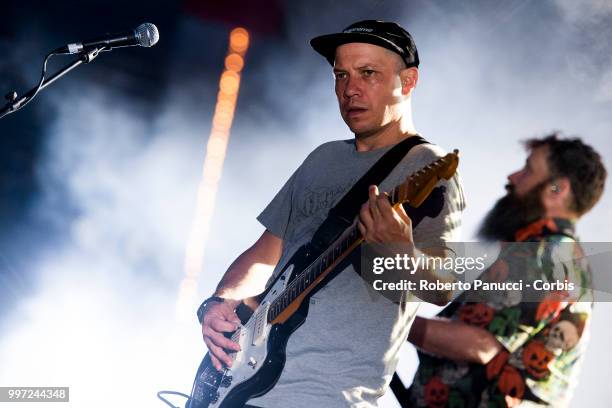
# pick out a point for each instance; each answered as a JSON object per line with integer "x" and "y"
{"x": 542, "y": 340}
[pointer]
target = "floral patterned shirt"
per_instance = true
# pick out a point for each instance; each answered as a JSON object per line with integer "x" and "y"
{"x": 543, "y": 333}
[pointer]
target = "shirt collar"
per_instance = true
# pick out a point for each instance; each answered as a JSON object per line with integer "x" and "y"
{"x": 546, "y": 226}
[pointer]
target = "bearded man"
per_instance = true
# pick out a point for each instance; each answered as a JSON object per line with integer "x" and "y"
{"x": 522, "y": 348}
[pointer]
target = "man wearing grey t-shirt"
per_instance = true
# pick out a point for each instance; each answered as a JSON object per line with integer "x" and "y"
{"x": 346, "y": 351}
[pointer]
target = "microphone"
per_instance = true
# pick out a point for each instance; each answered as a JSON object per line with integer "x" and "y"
{"x": 145, "y": 35}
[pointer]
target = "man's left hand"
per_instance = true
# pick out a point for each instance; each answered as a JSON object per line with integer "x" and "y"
{"x": 379, "y": 222}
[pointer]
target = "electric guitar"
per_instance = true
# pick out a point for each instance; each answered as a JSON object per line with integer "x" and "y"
{"x": 271, "y": 317}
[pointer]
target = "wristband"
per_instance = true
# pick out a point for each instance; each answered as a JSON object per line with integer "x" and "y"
{"x": 205, "y": 303}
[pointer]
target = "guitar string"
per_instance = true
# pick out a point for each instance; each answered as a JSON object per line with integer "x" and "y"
{"x": 338, "y": 243}
{"x": 292, "y": 286}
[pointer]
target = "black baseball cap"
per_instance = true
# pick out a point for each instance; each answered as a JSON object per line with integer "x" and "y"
{"x": 382, "y": 33}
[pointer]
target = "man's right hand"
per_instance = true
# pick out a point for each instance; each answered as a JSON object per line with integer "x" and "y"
{"x": 219, "y": 318}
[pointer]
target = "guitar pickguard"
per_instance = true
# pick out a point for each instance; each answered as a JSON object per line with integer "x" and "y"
{"x": 222, "y": 389}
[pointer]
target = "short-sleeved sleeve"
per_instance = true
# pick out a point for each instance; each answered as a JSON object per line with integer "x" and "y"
{"x": 438, "y": 220}
{"x": 275, "y": 217}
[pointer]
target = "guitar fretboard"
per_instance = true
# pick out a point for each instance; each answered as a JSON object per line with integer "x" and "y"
{"x": 345, "y": 242}
{"x": 413, "y": 190}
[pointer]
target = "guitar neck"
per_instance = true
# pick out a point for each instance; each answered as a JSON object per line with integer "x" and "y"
{"x": 414, "y": 191}
{"x": 315, "y": 272}
{"x": 337, "y": 251}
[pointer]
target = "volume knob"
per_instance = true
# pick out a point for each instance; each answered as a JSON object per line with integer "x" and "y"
{"x": 252, "y": 362}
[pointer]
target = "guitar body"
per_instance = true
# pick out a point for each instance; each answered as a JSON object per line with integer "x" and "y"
{"x": 259, "y": 364}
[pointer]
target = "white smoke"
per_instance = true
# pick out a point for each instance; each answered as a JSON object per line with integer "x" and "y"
{"x": 101, "y": 317}
{"x": 586, "y": 12}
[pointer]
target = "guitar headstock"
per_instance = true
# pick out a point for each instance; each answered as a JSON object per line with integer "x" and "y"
{"x": 418, "y": 186}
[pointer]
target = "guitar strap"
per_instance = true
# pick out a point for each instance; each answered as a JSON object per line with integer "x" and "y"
{"x": 342, "y": 215}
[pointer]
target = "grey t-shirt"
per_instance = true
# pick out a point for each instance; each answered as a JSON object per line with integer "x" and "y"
{"x": 346, "y": 351}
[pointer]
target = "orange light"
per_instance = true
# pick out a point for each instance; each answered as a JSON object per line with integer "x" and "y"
{"x": 225, "y": 97}
{"x": 229, "y": 82}
{"x": 239, "y": 40}
{"x": 222, "y": 121}
{"x": 234, "y": 62}
{"x": 225, "y": 105}
{"x": 216, "y": 149}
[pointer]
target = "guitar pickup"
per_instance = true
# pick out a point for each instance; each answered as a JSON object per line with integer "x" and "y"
{"x": 260, "y": 324}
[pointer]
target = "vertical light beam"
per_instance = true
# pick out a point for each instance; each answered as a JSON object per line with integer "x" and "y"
{"x": 229, "y": 85}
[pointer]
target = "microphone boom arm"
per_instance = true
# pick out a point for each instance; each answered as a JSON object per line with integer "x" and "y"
{"x": 15, "y": 104}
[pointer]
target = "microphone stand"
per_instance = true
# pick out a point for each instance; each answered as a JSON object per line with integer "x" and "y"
{"x": 15, "y": 104}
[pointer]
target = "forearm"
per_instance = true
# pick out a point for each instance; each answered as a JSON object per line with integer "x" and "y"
{"x": 248, "y": 274}
{"x": 243, "y": 279}
{"x": 455, "y": 341}
{"x": 428, "y": 272}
